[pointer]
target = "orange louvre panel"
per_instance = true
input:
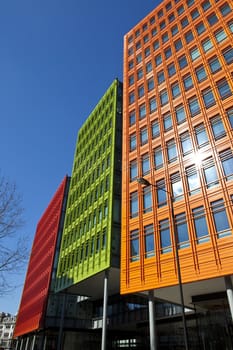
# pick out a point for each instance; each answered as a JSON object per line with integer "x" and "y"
{"x": 37, "y": 283}
{"x": 178, "y": 137}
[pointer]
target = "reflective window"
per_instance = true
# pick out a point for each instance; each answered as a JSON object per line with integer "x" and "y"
{"x": 180, "y": 114}
{"x": 201, "y": 135}
{"x": 200, "y": 28}
{"x": 131, "y": 97}
{"x": 168, "y": 52}
{"x": 161, "y": 193}
{"x": 171, "y": 69}
{"x": 212, "y": 19}
{"x": 177, "y": 188}
{"x": 133, "y": 142}
{"x": 223, "y": 88}
{"x": 205, "y": 5}
{"x": 195, "y": 14}
{"x": 214, "y": 64}
{"x": 140, "y": 91}
{"x": 200, "y": 73}
{"x": 178, "y": 44}
{"x": 182, "y": 62}
{"x": 167, "y": 122}
{"x": 207, "y": 45}
{"x": 228, "y": 54}
{"x": 134, "y": 245}
{"x": 140, "y": 73}
{"x": 210, "y": 172}
{"x": 142, "y": 111}
{"x": 230, "y": 116}
{"x": 133, "y": 170}
{"x": 163, "y": 97}
{"x": 226, "y": 158}
{"x": 175, "y": 90}
{"x": 220, "y": 35}
{"x": 225, "y": 9}
{"x": 182, "y": 231}
{"x": 189, "y": 37}
{"x": 132, "y": 118}
{"x": 143, "y": 136}
{"x": 201, "y": 228}
{"x": 134, "y": 204}
{"x": 188, "y": 82}
{"x": 150, "y": 84}
{"x": 145, "y": 164}
{"x": 147, "y": 199}
{"x": 221, "y": 222}
{"x": 152, "y": 104}
{"x": 194, "y": 53}
{"x": 149, "y": 241}
{"x": 208, "y": 98}
{"x": 155, "y": 128}
{"x": 193, "y": 180}
{"x": 160, "y": 77}
{"x": 148, "y": 67}
{"x": 186, "y": 143}
{"x": 158, "y": 157}
{"x": 165, "y": 239}
{"x": 171, "y": 151}
{"x": 194, "y": 107}
{"x": 217, "y": 127}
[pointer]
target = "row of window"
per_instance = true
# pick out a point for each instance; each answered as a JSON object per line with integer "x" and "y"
{"x": 201, "y": 137}
{"x": 187, "y": 81}
{"x": 184, "y": 22}
{"x": 178, "y": 44}
{"x": 205, "y": 5}
{"x": 92, "y": 246}
{"x": 200, "y": 72}
{"x": 198, "y": 222}
{"x": 191, "y": 181}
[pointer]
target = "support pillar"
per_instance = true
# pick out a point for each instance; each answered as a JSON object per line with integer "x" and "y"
{"x": 105, "y": 306}
{"x": 33, "y": 342}
{"x": 229, "y": 290}
{"x": 21, "y": 344}
{"x": 60, "y": 334}
{"x": 17, "y": 344}
{"x": 151, "y": 305}
{"x": 27, "y": 343}
{"x": 45, "y": 342}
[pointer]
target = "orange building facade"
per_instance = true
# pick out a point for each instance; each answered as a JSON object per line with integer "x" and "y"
{"x": 178, "y": 135}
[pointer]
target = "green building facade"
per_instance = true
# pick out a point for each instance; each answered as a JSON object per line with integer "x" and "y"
{"x": 91, "y": 236}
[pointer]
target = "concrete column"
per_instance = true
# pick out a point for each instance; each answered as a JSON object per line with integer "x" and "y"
{"x": 229, "y": 290}
{"x": 105, "y": 306}
{"x": 33, "y": 342}
{"x": 27, "y": 343}
{"x": 44, "y": 342}
{"x": 17, "y": 344}
{"x": 151, "y": 304}
{"x": 21, "y": 344}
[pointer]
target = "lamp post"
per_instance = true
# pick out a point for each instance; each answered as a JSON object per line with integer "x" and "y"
{"x": 145, "y": 182}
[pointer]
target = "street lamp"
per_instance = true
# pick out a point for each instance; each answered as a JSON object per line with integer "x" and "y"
{"x": 145, "y": 182}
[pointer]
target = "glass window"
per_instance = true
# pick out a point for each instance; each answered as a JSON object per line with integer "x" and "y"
{"x": 131, "y": 97}
{"x": 150, "y": 84}
{"x": 165, "y": 38}
{"x": 148, "y": 67}
{"x": 186, "y": 143}
{"x": 205, "y": 5}
{"x": 210, "y": 172}
{"x": 182, "y": 231}
{"x": 200, "y": 73}
{"x": 160, "y": 13}
{"x": 212, "y": 19}
{"x": 139, "y": 73}
{"x": 225, "y": 9}
{"x": 195, "y": 14}
{"x": 171, "y": 17}
{"x": 149, "y": 241}
{"x": 171, "y": 151}
{"x": 168, "y": 52}
{"x": 194, "y": 107}
{"x": 171, "y": 69}
{"x": 133, "y": 170}
{"x": 228, "y": 54}
{"x": 188, "y": 37}
{"x": 155, "y": 44}
{"x": 182, "y": 62}
{"x": 146, "y": 38}
{"x": 177, "y": 188}
{"x": 139, "y": 58}
{"x": 189, "y": 2}
{"x": 167, "y": 122}
{"x": 138, "y": 45}
{"x": 188, "y": 82}
{"x": 154, "y": 31}
{"x": 201, "y": 135}
{"x": 175, "y": 90}
{"x": 214, "y": 64}
{"x": 147, "y": 199}
{"x": 230, "y": 116}
{"x": 142, "y": 111}
{"x": 180, "y": 114}
{"x": 162, "y": 25}
{"x": 131, "y": 64}
{"x": 161, "y": 193}
{"x": 201, "y": 228}
{"x": 133, "y": 142}
{"x": 207, "y": 45}
{"x": 147, "y": 52}
{"x": 134, "y": 204}
{"x": 132, "y": 118}
{"x": 220, "y": 35}
{"x": 152, "y": 104}
{"x": 230, "y": 25}
{"x": 140, "y": 91}
{"x": 158, "y": 60}
{"x": 226, "y": 158}
{"x": 217, "y": 127}
{"x": 165, "y": 239}
{"x": 178, "y": 44}
{"x": 174, "y": 30}
{"x": 160, "y": 77}
{"x": 145, "y": 164}
{"x": 193, "y": 180}
{"x": 152, "y": 20}
{"x": 168, "y": 6}
{"x": 184, "y": 22}
{"x": 163, "y": 97}
{"x": 208, "y": 98}
{"x": 180, "y": 10}
{"x": 221, "y": 222}
{"x": 134, "y": 245}
{"x": 158, "y": 158}
{"x": 131, "y": 80}
{"x": 130, "y": 51}
{"x": 194, "y": 53}
{"x": 155, "y": 129}
{"x": 223, "y": 89}
{"x": 200, "y": 28}
{"x": 143, "y": 136}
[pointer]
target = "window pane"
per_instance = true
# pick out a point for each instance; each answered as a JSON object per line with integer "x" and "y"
{"x": 147, "y": 199}
{"x": 220, "y": 218}
{"x": 134, "y": 204}
{"x": 149, "y": 241}
{"x": 201, "y": 228}
{"x": 227, "y": 163}
{"x": 134, "y": 245}
{"x": 210, "y": 172}
{"x": 217, "y": 127}
{"x": 182, "y": 231}
{"x": 161, "y": 193}
{"x": 165, "y": 238}
{"x": 158, "y": 158}
{"x": 193, "y": 180}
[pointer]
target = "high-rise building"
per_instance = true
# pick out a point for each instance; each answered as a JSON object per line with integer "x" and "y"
{"x": 91, "y": 235}
{"x": 177, "y": 188}
{"x": 39, "y": 281}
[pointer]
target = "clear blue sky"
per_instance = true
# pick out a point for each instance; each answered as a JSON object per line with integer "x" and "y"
{"x": 57, "y": 58}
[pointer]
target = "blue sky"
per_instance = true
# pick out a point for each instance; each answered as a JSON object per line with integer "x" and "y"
{"x": 57, "y": 58}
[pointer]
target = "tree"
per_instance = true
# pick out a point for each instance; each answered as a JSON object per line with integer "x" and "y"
{"x": 13, "y": 249}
